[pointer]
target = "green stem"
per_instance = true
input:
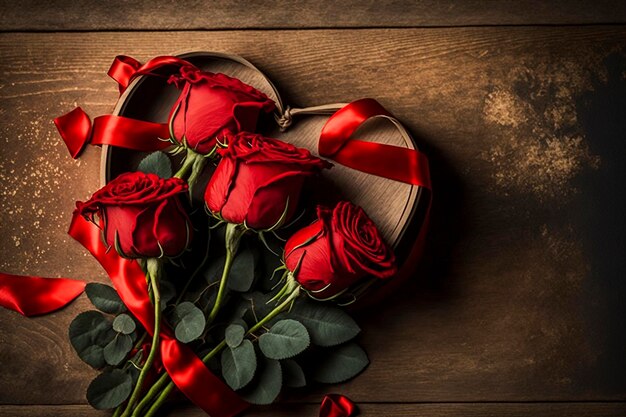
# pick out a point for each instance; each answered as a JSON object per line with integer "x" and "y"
{"x": 170, "y": 387}
{"x": 199, "y": 163}
{"x": 234, "y": 232}
{"x": 118, "y": 411}
{"x": 186, "y": 166}
{"x": 154, "y": 267}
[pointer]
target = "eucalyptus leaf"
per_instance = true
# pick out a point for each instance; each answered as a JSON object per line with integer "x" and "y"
{"x": 267, "y": 385}
{"x": 105, "y": 298}
{"x": 285, "y": 339}
{"x": 293, "y": 375}
{"x": 327, "y": 326}
{"x": 167, "y": 291}
{"x": 234, "y": 335}
{"x": 109, "y": 389}
{"x": 339, "y": 364}
{"x": 213, "y": 271}
{"x": 241, "y": 275}
{"x": 124, "y": 324}
{"x": 156, "y": 163}
{"x": 117, "y": 349}
{"x": 191, "y": 322}
{"x": 239, "y": 365}
{"x": 89, "y": 332}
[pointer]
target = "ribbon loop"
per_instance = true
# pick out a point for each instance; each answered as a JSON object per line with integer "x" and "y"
{"x": 125, "y": 69}
{"x": 122, "y": 70}
{"x": 388, "y": 161}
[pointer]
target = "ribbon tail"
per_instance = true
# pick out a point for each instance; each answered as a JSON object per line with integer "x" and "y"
{"x": 337, "y": 405}
{"x": 32, "y": 296}
{"x": 75, "y": 129}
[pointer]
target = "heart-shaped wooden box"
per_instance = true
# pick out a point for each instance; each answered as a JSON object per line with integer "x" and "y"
{"x": 398, "y": 209}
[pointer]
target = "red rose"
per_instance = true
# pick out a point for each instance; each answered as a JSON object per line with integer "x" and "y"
{"x": 341, "y": 247}
{"x": 211, "y": 106}
{"x": 144, "y": 212}
{"x": 255, "y": 179}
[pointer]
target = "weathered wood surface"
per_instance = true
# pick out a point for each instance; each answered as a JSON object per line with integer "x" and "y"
{"x": 367, "y": 410}
{"x": 521, "y": 297}
{"x": 244, "y": 14}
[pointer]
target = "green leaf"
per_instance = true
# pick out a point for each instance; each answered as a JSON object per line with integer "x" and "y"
{"x": 267, "y": 385}
{"x": 109, "y": 389}
{"x": 239, "y": 365}
{"x": 105, "y": 298}
{"x": 117, "y": 349}
{"x": 285, "y": 339}
{"x": 234, "y": 335}
{"x": 191, "y": 322}
{"x": 168, "y": 292}
{"x": 89, "y": 332}
{"x": 327, "y": 326}
{"x": 241, "y": 274}
{"x": 213, "y": 272}
{"x": 124, "y": 324}
{"x": 340, "y": 364}
{"x": 293, "y": 375}
{"x": 156, "y": 163}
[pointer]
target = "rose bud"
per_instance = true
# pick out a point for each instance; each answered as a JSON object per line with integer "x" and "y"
{"x": 258, "y": 181}
{"x": 340, "y": 248}
{"x": 141, "y": 215}
{"x": 211, "y": 106}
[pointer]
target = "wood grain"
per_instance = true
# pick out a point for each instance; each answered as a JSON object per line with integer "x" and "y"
{"x": 367, "y": 410}
{"x": 521, "y": 297}
{"x": 58, "y": 15}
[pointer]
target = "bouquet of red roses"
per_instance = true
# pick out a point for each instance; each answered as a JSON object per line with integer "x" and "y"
{"x": 251, "y": 278}
{"x": 230, "y": 275}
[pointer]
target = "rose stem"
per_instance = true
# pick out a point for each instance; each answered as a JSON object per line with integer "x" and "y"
{"x": 188, "y": 162}
{"x": 154, "y": 267}
{"x": 166, "y": 392}
{"x": 232, "y": 238}
{"x": 199, "y": 163}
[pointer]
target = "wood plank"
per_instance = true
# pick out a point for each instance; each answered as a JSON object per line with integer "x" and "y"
{"x": 239, "y": 14}
{"x": 387, "y": 410}
{"x": 521, "y": 298}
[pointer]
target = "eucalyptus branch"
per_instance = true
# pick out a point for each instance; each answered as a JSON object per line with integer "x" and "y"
{"x": 285, "y": 305}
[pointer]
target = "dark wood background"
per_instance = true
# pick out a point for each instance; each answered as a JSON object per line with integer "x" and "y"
{"x": 520, "y": 306}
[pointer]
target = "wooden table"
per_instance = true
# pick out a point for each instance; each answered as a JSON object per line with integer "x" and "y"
{"x": 520, "y": 306}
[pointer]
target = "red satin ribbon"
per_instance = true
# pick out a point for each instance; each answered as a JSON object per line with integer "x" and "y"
{"x": 336, "y": 405}
{"x": 76, "y": 128}
{"x": 388, "y": 161}
{"x": 125, "y": 69}
{"x": 32, "y": 296}
{"x": 187, "y": 371}
{"x": 77, "y": 131}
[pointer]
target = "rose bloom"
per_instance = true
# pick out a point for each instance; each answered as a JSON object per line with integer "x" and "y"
{"x": 256, "y": 178}
{"x": 144, "y": 212}
{"x": 338, "y": 249}
{"x": 213, "y": 105}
